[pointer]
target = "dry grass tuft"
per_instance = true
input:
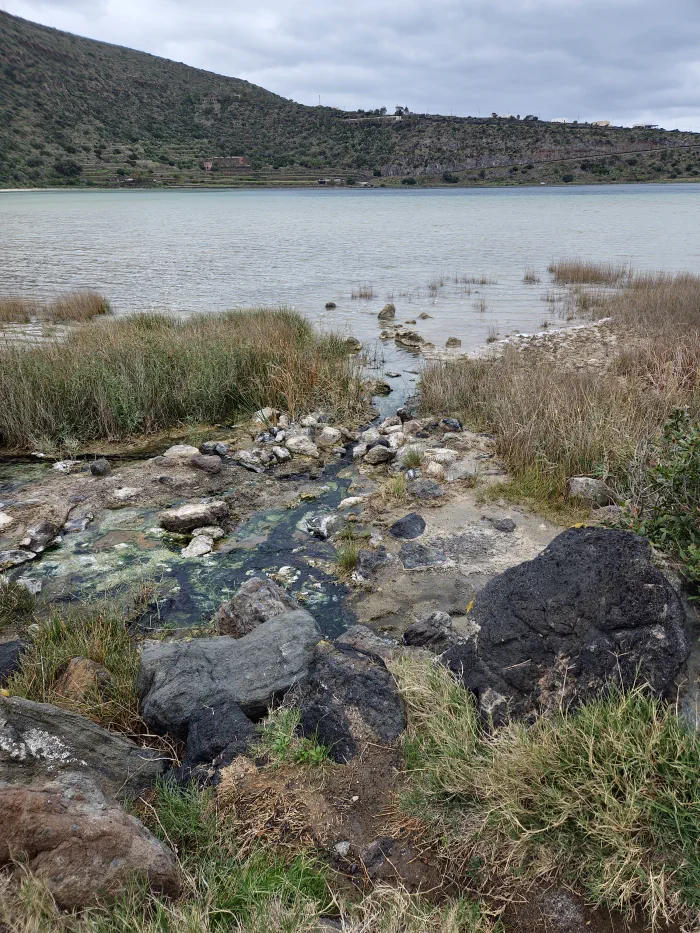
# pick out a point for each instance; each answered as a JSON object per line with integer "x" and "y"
{"x": 364, "y": 292}
{"x": 579, "y": 272}
{"x": 17, "y": 310}
{"x": 76, "y": 307}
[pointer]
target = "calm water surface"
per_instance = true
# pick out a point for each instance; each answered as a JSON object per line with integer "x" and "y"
{"x": 212, "y": 250}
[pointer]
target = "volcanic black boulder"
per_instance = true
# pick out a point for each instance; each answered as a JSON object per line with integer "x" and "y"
{"x": 590, "y": 611}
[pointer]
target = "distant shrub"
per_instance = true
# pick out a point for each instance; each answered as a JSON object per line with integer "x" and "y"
{"x": 452, "y": 179}
{"x": 408, "y": 181}
{"x": 377, "y": 173}
{"x": 68, "y": 168}
{"x": 350, "y": 180}
{"x": 567, "y": 178}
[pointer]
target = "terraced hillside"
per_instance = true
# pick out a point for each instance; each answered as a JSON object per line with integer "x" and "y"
{"x": 74, "y": 111}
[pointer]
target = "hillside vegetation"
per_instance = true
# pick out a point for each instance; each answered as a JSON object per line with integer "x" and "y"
{"x": 74, "y": 111}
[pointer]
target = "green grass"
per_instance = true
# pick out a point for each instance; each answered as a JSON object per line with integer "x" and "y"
{"x": 148, "y": 372}
{"x": 412, "y": 458}
{"x": 17, "y": 604}
{"x": 605, "y": 797}
{"x": 99, "y": 633}
{"x": 347, "y": 556}
{"x": 281, "y": 742}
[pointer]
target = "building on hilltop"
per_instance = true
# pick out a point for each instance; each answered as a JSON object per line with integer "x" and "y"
{"x": 600, "y": 123}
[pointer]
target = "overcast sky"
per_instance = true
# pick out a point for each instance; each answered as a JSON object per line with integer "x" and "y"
{"x": 624, "y": 60}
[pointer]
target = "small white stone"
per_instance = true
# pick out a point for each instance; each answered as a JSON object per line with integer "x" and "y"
{"x": 436, "y": 470}
{"x": 351, "y": 501}
{"x": 342, "y": 848}
{"x": 126, "y": 492}
{"x": 181, "y": 452}
{"x": 209, "y": 531}
{"x": 303, "y": 446}
{"x": 370, "y": 436}
{"x": 198, "y": 546}
{"x": 5, "y": 520}
{"x": 396, "y": 440}
{"x": 65, "y": 466}
{"x": 442, "y": 455}
{"x": 359, "y": 451}
{"x": 281, "y": 453}
{"x": 329, "y": 437}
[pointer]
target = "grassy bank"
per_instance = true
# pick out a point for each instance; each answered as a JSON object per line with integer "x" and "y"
{"x": 553, "y": 419}
{"x": 148, "y": 372}
{"x": 604, "y": 798}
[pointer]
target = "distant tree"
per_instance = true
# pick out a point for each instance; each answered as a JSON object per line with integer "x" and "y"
{"x": 377, "y": 173}
{"x": 452, "y": 179}
{"x": 408, "y": 181}
{"x": 567, "y": 178}
{"x": 350, "y": 180}
{"x": 382, "y": 110}
{"x": 68, "y": 168}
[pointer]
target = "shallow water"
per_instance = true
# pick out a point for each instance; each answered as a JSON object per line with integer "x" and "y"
{"x": 212, "y": 250}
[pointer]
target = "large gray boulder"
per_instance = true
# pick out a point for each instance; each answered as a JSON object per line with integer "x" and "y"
{"x": 177, "y": 678}
{"x": 82, "y": 845}
{"x": 590, "y": 611}
{"x": 39, "y": 742}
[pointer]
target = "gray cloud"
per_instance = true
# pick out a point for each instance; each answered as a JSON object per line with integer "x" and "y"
{"x": 623, "y": 60}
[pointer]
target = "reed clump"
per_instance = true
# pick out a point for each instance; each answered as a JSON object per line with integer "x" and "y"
{"x": 148, "y": 372}
{"x": 70, "y": 308}
{"x": 580, "y": 272}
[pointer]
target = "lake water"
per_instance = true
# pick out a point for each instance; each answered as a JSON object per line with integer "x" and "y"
{"x": 211, "y": 250}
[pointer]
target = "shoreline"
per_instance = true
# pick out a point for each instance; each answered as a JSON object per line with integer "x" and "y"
{"x": 433, "y": 187}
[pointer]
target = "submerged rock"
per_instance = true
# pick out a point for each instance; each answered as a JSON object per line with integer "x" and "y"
{"x": 80, "y": 844}
{"x": 590, "y": 611}
{"x": 199, "y": 546}
{"x": 323, "y": 526}
{"x": 452, "y": 342}
{"x": 387, "y": 313}
{"x": 41, "y": 534}
{"x": 350, "y": 699}
{"x": 256, "y": 601}
{"x": 15, "y": 557}
{"x": 193, "y": 515}
{"x": 177, "y": 678}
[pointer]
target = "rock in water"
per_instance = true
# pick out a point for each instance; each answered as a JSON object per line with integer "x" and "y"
{"x": 81, "y": 845}
{"x": 590, "y": 611}
{"x": 302, "y": 446}
{"x": 193, "y": 515}
{"x": 256, "y": 601}
{"x": 39, "y": 742}
{"x": 387, "y": 313}
{"x": 177, "y": 678}
{"x": 349, "y": 699}
{"x": 410, "y": 526}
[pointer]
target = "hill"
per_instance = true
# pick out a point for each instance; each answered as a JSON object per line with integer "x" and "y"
{"x": 74, "y": 111}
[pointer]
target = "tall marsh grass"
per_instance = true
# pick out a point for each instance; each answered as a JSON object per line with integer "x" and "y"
{"x": 579, "y": 272}
{"x": 72, "y": 307}
{"x": 148, "y": 372}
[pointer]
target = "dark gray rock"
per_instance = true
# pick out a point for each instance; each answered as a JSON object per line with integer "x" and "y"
{"x": 416, "y": 556}
{"x": 39, "y": 742}
{"x": 369, "y": 561}
{"x": 256, "y": 601}
{"x": 410, "y": 526}
{"x": 100, "y": 467}
{"x": 206, "y": 463}
{"x": 433, "y": 631}
{"x": 221, "y": 730}
{"x": 452, "y": 424}
{"x": 41, "y": 534}
{"x": 379, "y": 454}
{"x": 349, "y": 699}
{"x": 425, "y": 489}
{"x": 177, "y": 678}
{"x": 10, "y": 658}
{"x": 590, "y": 611}
{"x": 506, "y": 525}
